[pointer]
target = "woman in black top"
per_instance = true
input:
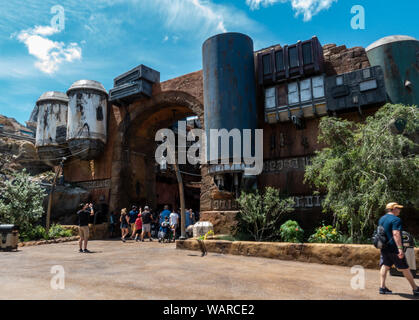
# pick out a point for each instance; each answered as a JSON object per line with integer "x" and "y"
{"x": 124, "y": 223}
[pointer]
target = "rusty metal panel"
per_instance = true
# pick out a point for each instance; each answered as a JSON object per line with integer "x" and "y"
{"x": 52, "y": 108}
{"x": 141, "y": 72}
{"x": 355, "y": 90}
{"x": 398, "y": 56}
{"x": 298, "y": 60}
{"x": 87, "y": 119}
{"x": 229, "y": 84}
{"x": 130, "y": 91}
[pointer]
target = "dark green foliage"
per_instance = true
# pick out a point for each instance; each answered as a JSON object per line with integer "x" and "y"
{"x": 366, "y": 165}
{"x": 292, "y": 232}
{"x": 260, "y": 214}
{"x": 21, "y": 201}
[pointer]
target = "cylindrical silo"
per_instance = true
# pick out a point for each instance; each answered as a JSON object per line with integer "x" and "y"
{"x": 52, "y": 127}
{"x": 398, "y": 56}
{"x": 229, "y": 86}
{"x": 87, "y": 119}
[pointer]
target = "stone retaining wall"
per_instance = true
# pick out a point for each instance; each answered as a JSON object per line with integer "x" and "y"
{"x": 334, "y": 254}
{"x": 41, "y": 242}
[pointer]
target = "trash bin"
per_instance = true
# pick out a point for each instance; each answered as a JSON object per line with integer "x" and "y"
{"x": 9, "y": 237}
{"x": 409, "y": 252}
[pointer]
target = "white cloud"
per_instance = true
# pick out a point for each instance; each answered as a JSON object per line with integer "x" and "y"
{"x": 49, "y": 54}
{"x": 308, "y": 8}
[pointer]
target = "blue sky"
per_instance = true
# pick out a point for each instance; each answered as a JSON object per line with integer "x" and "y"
{"x": 104, "y": 38}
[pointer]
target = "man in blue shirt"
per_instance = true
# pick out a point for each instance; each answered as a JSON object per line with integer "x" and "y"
{"x": 165, "y": 213}
{"x": 393, "y": 253}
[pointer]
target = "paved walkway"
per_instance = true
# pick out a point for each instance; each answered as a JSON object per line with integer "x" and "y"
{"x": 147, "y": 270}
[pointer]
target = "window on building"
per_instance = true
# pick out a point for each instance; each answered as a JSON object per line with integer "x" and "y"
{"x": 270, "y": 101}
{"x": 305, "y": 87}
{"x": 307, "y": 53}
{"x": 293, "y": 93}
{"x": 266, "y": 61}
{"x": 99, "y": 114}
{"x": 282, "y": 96}
{"x": 293, "y": 57}
{"x": 366, "y": 73}
{"x": 339, "y": 81}
{"x": 368, "y": 85}
{"x": 318, "y": 87}
{"x": 279, "y": 56}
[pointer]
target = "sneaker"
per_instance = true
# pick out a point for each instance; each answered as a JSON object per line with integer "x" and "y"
{"x": 123, "y": 240}
{"x": 81, "y": 250}
{"x": 416, "y": 292}
{"x": 142, "y": 240}
{"x": 151, "y": 239}
{"x": 385, "y": 291}
{"x": 87, "y": 251}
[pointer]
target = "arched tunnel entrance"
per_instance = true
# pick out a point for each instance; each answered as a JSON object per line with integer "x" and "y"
{"x": 141, "y": 180}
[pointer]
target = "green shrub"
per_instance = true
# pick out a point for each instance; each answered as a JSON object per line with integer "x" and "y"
{"x": 260, "y": 213}
{"x": 39, "y": 233}
{"x": 291, "y": 232}
{"x": 325, "y": 234}
{"x": 21, "y": 201}
{"x": 35, "y": 233}
{"x": 57, "y": 231}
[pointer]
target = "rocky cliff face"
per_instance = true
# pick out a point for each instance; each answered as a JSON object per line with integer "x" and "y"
{"x": 17, "y": 148}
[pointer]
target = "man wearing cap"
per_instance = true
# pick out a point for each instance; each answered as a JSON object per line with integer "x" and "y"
{"x": 393, "y": 253}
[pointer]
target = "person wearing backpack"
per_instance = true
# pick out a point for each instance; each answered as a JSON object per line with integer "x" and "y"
{"x": 392, "y": 251}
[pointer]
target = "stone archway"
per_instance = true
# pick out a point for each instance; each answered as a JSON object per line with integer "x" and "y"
{"x": 141, "y": 119}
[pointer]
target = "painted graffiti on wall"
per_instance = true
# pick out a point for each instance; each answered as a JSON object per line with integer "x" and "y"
{"x": 275, "y": 166}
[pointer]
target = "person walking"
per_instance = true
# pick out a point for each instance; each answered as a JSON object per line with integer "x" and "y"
{"x": 133, "y": 214}
{"x": 138, "y": 226}
{"x": 174, "y": 222}
{"x": 124, "y": 219}
{"x": 147, "y": 220}
{"x": 393, "y": 253}
{"x": 85, "y": 212}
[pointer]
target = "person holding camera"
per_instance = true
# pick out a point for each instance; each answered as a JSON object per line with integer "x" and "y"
{"x": 85, "y": 212}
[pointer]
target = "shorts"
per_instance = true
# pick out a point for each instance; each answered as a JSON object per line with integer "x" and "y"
{"x": 124, "y": 225}
{"x": 146, "y": 227}
{"x": 132, "y": 226}
{"x": 389, "y": 259}
{"x": 174, "y": 226}
{"x": 84, "y": 233}
{"x": 138, "y": 231}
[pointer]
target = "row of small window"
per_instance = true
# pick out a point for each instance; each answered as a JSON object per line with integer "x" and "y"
{"x": 293, "y": 58}
{"x": 295, "y": 93}
{"x": 366, "y": 74}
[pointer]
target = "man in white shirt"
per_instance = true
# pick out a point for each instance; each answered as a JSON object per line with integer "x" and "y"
{"x": 174, "y": 222}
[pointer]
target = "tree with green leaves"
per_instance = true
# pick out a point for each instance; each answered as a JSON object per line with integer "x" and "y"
{"x": 21, "y": 201}
{"x": 260, "y": 213}
{"x": 366, "y": 165}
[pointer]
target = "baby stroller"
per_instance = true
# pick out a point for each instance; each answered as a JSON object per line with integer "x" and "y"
{"x": 165, "y": 233}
